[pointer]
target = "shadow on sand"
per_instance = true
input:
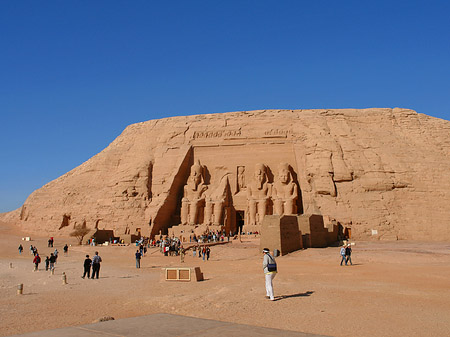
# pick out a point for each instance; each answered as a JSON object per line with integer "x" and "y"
{"x": 305, "y": 294}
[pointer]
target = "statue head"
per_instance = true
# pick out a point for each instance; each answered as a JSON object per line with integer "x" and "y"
{"x": 284, "y": 173}
{"x": 196, "y": 176}
{"x": 260, "y": 175}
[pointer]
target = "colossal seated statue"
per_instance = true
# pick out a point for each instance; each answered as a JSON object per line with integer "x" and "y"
{"x": 258, "y": 194}
{"x": 194, "y": 196}
{"x": 215, "y": 203}
{"x": 284, "y": 192}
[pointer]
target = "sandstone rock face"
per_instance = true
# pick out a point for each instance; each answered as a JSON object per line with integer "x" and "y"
{"x": 381, "y": 173}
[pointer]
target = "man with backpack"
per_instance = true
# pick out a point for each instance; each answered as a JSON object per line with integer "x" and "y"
{"x": 36, "y": 261}
{"x": 270, "y": 270}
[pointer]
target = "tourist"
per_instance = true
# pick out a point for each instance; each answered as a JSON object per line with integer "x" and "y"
{"x": 96, "y": 265}
{"x": 204, "y": 253}
{"x": 270, "y": 270}
{"x": 87, "y": 267}
{"x": 36, "y": 261}
{"x": 348, "y": 254}
{"x": 52, "y": 261}
{"x": 20, "y": 249}
{"x": 343, "y": 255}
{"x": 66, "y": 249}
{"x": 138, "y": 258}
{"x": 32, "y": 250}
{"x": 47, "y": 262}
{"x": 55, "y": 253}
{"x": 194, "y": 250}
{"x": 208, "y": 251}
{"x": 182, "y": 253}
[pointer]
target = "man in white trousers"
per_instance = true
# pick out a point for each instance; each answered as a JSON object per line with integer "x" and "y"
{"x": 270, "y": 270}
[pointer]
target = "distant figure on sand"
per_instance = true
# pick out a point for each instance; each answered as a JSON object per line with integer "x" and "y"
{"x": 87, "y": 267}
{"x": 52, "y": 261}
{"x": 47, "y": 263}
{"x": 96, "y": 265}
{"x": 138, "y": 259}
{"x": 270, "y": 270}
{"x": 36, "y": 261}
{"x": 66, "y": 249}
{"x": 348, "y": 255}
{"x": 20, "y": 249}
{"x": 343, "y": 255}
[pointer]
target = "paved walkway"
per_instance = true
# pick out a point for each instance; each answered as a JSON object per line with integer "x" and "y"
{"x": 165, "y": 325}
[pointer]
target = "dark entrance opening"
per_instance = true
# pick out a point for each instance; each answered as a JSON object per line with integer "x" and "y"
{"x": 240, "y": 216}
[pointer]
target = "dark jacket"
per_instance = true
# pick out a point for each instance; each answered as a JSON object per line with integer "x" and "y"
{"x": 87, "y": 263}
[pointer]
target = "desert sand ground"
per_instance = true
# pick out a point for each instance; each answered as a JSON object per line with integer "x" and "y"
{"x": 392, "y": 289}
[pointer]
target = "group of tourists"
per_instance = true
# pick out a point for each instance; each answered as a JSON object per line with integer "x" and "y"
{"x": 170, "y": 246}
{"x": 210, "y": 236}
{"x": 173, "y": 246}
{"x": 203, "y": 252}
{"x": 94, "y": 263}
{"x": 140, "y": 253}
{"x": 346, "y": 254}
{"x": 50, "y": 261}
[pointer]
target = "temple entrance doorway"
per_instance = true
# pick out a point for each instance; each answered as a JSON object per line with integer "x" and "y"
{"x": 240, "y": 216}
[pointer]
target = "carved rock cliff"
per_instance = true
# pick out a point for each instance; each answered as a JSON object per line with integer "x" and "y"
{"x": 382, "y": 173}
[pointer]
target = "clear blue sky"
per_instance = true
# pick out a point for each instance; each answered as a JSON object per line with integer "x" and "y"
{"x": 74, "y": 74}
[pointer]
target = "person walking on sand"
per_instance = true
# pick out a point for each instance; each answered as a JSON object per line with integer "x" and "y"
{"x": 20, "y": 249}
{"x": 87, "y": 267}
{"x": 343, "y": 255}
{"x": 66, "y": 249}
{"x": 96, "y": 265}
{"x": 36, "y": 261}
{"x": 138, "y": 259}
{"x": 47, "y": 263}
{"x": 348, "y": 255}
{"x": 270, "y": 271}
{"x": 52, "y": 261}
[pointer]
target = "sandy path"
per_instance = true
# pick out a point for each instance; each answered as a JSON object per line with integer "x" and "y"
{"x": 394, "y": 289}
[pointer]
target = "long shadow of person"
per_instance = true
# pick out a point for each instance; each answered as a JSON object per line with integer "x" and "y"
{"x": 305, "y": 294}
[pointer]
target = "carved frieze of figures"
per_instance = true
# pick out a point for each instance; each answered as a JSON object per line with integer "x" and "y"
{"x": 204, "y": 204}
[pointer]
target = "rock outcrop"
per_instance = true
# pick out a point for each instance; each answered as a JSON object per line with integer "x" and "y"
{"x": 381, "y": 173}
